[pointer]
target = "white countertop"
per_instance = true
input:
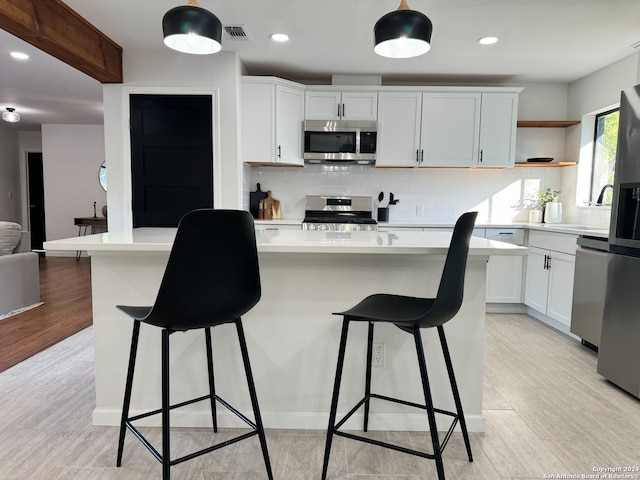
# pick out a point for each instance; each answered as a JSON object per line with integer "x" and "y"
{"x": 292, "y": 241}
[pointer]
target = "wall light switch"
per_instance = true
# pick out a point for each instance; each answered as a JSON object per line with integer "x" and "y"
{"x": 419, "y": 210}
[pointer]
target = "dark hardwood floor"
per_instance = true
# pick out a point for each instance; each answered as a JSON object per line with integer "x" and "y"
{"x": 65, "y": 289}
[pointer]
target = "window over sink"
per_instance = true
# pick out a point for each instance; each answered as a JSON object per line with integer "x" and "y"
{"x": 605, "y": 140}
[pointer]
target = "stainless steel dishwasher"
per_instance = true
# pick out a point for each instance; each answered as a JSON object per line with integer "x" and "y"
{"x": 589, "y": 288}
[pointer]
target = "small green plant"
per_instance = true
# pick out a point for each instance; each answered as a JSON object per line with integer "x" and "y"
{"x": 538, "y": 199}
{"x": 548, "y": 195}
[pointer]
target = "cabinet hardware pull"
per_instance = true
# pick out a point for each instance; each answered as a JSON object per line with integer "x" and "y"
{"x": 421, "y": 156}
{"x": 417, "y": 156}
{"x": 343, "y": 114}
{"x": 279, "y": 151}
{"x": 481, "y": 152}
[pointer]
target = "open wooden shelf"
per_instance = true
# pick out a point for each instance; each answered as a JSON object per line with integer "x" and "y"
{"x": 547, "y": 123}
{"x": 545, "y": 164}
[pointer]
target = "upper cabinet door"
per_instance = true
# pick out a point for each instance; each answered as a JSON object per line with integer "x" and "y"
{"x": 322, "y": 105}
{"x": 334, "y": 105}
{"x": 289, "y": 118}
{"x": 359, "y": 106}
{"x": 450, "y": 129}
{"x": 398, "y": 129}
{"x": 498, "y": 129}
{"x": 272, "y": 124}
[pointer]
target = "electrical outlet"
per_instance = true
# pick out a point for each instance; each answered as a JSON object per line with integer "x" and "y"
{"x": 419, "y": 210}
{"x": 377, "y": 359}
{"x": 286, "y": 209}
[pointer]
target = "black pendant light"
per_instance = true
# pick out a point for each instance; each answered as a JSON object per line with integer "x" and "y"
{"x": 404, "y": 33}
{"x": 191, "y": 29}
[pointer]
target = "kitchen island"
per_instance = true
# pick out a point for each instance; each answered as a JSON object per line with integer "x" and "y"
{"x": 292, "y": 335}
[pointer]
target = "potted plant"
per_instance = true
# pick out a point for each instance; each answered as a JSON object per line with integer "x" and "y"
{"x": 551, "y": 207}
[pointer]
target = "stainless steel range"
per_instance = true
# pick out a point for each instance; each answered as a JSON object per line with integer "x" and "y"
{"x": 339, "y": 213}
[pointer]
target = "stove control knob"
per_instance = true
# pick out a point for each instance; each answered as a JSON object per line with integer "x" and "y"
{"x": 367, "y": 228}
{"x": 322, "y": 227}
{"x": 311, "y": 226}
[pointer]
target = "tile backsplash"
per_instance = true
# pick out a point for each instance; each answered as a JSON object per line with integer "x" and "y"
{"x": 439, "y": 194}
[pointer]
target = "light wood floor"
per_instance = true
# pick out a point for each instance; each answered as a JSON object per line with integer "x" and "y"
{"x": 547, "y": 413}
{"x": 65, "y": 289}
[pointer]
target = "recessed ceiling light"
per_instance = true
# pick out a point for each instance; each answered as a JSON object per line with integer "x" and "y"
{"x": 19, "y": 55}
{"x": 487, "y": 40}
{"x": 279, "y": 37}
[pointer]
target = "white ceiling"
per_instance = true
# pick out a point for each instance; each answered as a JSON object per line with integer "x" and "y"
{"x": 540, "y": 41}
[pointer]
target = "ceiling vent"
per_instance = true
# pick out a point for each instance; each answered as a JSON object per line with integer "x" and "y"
{"x": 237, "y": 33}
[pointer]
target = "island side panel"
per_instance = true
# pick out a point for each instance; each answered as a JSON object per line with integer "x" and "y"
{"x": 293, "y": 340}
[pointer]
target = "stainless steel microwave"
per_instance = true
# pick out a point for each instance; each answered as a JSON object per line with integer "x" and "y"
{"x": 340, "y": 141}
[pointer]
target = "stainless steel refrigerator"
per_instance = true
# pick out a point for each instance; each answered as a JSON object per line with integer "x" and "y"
{"x": 619, "y": 354}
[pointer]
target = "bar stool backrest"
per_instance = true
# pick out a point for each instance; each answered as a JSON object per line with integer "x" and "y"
{"x": 451, "y": 289}
{"x": 212, "y": 276}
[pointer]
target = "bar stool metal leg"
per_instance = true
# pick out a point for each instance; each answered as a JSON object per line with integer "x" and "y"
{"x": 166, "y": 438}
{"x": 454, "y": 389}
{"x": 367, "y": 385}
{"x": 254, "y": 397}
{"x": 127, "y": 389}
{"x": 433, "y": 428}
{"x": 334, "y": 398}
{"x": 212, "y": 384}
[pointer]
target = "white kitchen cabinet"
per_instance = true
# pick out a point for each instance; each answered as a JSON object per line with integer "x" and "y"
{"x": 549, "y": 277}
{"x": 446, "y": 128}
{"x": 505, "y": 274}
{"x": 498, "y": 123}
{"x": 272, "y": 116}
{"x": 450, "y": 129}
{"x": 336, "y": 105}
{"x": 399, "y": 117}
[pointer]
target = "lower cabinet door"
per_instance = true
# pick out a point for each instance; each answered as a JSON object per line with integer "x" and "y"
{"x": 537, "y": 280}
{"x": 561, "y": 287}
{"x": 504, "y": 279}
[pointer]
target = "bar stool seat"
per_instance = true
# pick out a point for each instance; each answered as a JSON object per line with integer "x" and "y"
{"x": 410, "y": 314}
{"x": 212, "y": 278}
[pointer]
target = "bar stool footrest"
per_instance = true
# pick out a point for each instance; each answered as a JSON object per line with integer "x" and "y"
{"x": 379, "y": 443}
{"x": 204, "y": 451}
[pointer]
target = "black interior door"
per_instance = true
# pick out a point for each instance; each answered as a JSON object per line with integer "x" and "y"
{"x": 36, "y": 200}
{"x": 171, "y": 157}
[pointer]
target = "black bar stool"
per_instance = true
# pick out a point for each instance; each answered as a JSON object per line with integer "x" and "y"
{"x": 211, "y": 278}
{"x": 411, "y": 314}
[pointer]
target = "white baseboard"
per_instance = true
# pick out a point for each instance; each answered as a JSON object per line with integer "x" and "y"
{"x": 559, "y": 326}
{"x": 296, "y": 420}
{"x": 506, "y": 308}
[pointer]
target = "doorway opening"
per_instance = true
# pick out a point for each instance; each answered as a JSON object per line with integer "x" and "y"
{"x": 35, "y": 198}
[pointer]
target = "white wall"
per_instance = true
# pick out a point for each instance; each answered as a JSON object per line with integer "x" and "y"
{"x": 597, "y": 92}
{"x": 170, "y": 72}
{"x": 9, "y": 174}
{"x": 72, "y": 155}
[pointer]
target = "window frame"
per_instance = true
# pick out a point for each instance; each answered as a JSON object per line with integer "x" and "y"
{"x": 593, "y": 195}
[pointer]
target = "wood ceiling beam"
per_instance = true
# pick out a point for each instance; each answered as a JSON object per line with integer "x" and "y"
{"x": 56, "y": 29}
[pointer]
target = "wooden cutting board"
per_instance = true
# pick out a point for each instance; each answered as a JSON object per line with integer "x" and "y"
{"x": 254, "y": 201}
{"x": 266, "y": 207}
